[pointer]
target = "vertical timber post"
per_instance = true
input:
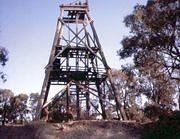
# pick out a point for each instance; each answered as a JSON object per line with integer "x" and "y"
{"x": 101, "y": 102}
{"x": 77, "y": 103}
{"x": 67, "y": 102}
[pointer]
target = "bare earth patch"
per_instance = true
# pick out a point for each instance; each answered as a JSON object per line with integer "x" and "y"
{"x": 73, "y": 130}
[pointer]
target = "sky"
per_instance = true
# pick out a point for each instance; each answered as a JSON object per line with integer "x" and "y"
{"x": 27, "y": 29}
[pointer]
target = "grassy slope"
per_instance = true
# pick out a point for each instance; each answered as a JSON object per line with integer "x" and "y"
{"x": 73, "y": 130}
{"x": 166, "y": 128}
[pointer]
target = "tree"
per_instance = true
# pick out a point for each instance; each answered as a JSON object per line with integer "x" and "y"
{"x": 133, "y": 87}
{"x": 155, "y": 31}
{"x": 126, "y": 83}
{"x": 33, "y": 101}
{"x": 3, "y": 60}
{"x": 18, "y": 107}
{"x": 5, "y": 96}
{"x": 154, "y": 45}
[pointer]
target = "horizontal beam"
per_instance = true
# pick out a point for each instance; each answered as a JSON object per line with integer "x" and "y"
{"x": 74, "y": 7}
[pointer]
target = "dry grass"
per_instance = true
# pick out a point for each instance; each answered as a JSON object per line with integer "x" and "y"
{"x": 73, "y": 130}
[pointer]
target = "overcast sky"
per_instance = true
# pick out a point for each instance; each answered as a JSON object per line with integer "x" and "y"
{"x": 27, "y": 31}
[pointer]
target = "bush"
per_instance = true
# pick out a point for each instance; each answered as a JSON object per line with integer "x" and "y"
{"x": 168, "y": 127}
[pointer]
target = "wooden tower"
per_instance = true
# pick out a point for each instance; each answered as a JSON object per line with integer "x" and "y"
{"x": 77, "y": 62}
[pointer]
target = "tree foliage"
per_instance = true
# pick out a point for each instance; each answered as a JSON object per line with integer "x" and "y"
{"x": 3, "y": 60}
{"x": 17, "y": 108}
{"x": 5, "y": 96}
{"x": 154, "y": 44}
{"x": 127, "y": 86}
{"x": 142, "y": 95}
{"x": 155, "y": 36}
{"x": 33, "y": 101}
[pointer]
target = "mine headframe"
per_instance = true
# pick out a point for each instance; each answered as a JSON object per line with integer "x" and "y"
{"x": 78, "y": 63}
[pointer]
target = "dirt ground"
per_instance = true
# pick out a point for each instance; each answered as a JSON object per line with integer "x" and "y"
{"x": 73, "y": 130}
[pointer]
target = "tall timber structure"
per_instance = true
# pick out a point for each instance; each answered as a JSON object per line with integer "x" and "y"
{"x": 77, "y": 63}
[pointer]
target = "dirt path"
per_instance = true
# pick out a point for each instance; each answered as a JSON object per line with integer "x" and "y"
{"x": 73, "y": 130}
